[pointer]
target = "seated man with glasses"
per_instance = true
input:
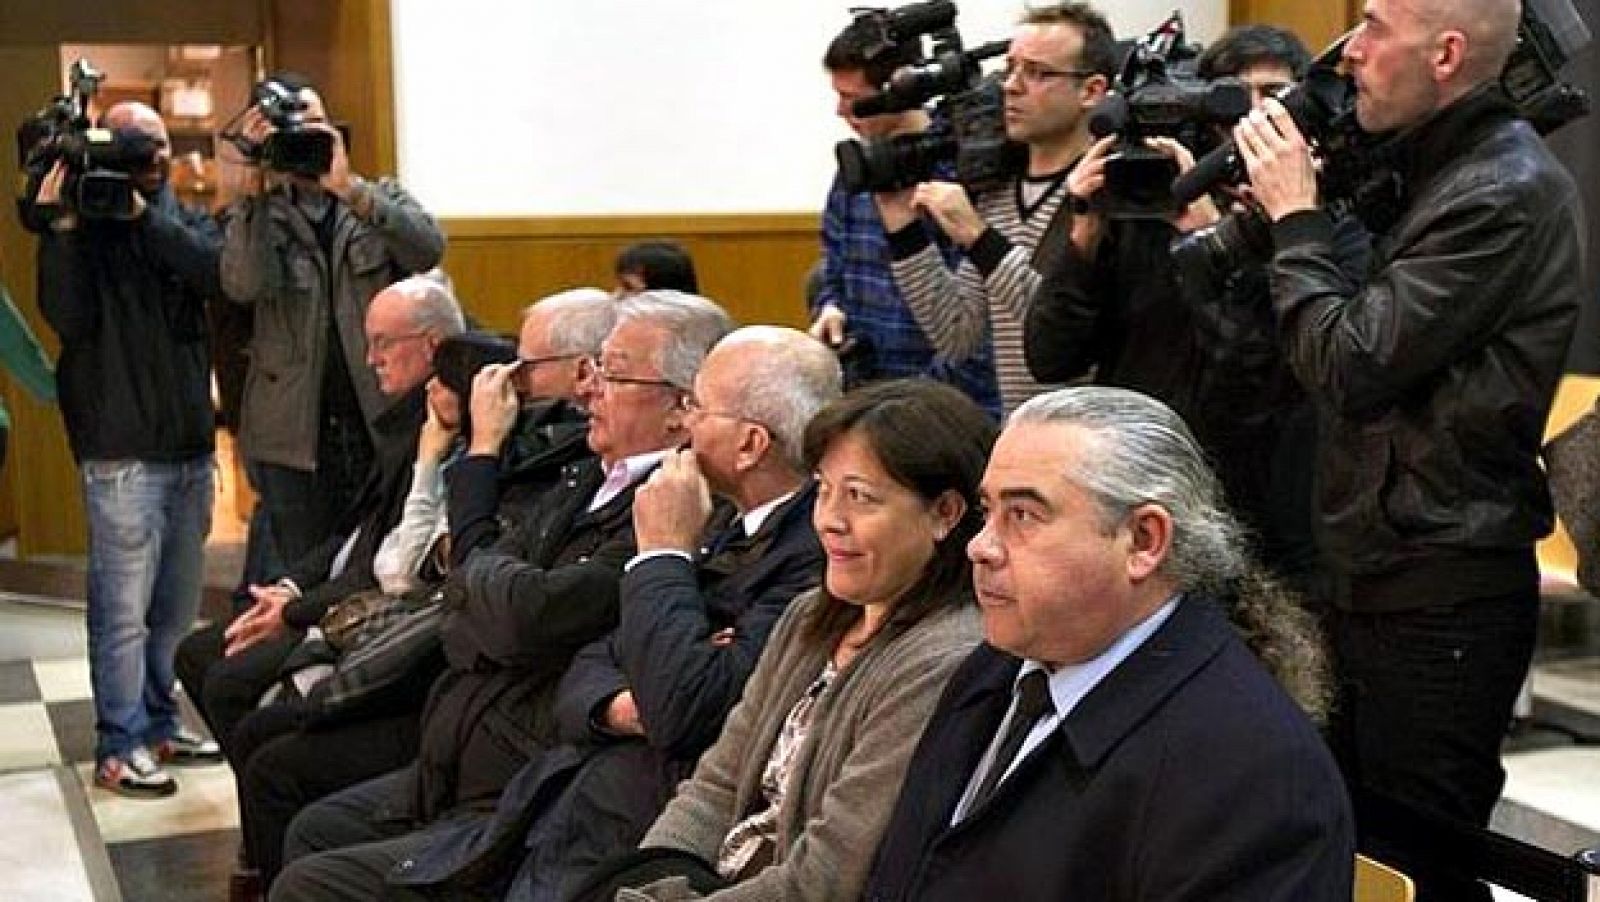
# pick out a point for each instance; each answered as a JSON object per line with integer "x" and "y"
{"x": 226, "y": 667}
{"x": 1060, "y": 63}
{"x": 698, "y": 602}
{"x": 518, "y": 611}
{"x": 511, "y": 454}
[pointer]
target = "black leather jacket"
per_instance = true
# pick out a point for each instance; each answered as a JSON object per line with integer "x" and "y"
{"x": 1437, "y": 374}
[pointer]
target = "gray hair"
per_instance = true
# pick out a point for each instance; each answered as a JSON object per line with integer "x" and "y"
{"x": 581, "y": 318}
{"x": 788, "y": 378}
{"x": 434, "y": 307}
{"x": 1144, "y": 454}
{"x": 692, "y": 323}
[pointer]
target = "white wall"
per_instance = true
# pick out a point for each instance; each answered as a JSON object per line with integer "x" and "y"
{"x": 580, "y": 107}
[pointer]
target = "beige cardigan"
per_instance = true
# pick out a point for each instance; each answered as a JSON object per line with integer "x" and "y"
{"x": 847, "y": 774}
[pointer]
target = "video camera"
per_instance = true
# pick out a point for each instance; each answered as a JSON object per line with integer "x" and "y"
{"x": 970, "y": 115}
{"x": 99, "y": 162}
{"x": 294, "y": 147}
{"x": 1356, "y": 176}
{"x": 1158, "y": 94}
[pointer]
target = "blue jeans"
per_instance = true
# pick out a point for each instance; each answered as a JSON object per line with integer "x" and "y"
{"x": 148, "y": 523}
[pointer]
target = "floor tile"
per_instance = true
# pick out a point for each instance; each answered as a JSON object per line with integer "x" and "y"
{"x": 26, "y": 741}
{"x": 41, "y": 863}
{"x": 32, "y": 632}
{"x": 1564, "y": 783}
{"x": 17, "y": 683}
{"x": 1575, "y": 683}
{"x": 191, "y": 868}
{"x": 73, "y": 725}
{"x": 63, "y": 679}
{"x": 204, "y": 802}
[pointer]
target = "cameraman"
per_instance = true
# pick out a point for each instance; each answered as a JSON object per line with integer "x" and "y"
{"x": 1202, "y": 339}
{"x": 126, "y": 297}
{"x": 309, "y": 253}
{"x": 1438, "y": 371}
{"x": 858, "y": 298}
{"x": 1059, "y": 65}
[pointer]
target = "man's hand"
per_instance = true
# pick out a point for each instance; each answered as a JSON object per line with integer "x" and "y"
{"x": 255, "y": 129}
{"x": 952, "y": 209}
{"x": 49, "y": 195}
{"x": 263, "y": 621}
{"x": 671, "y": 509}
{"x": 895, "y": 209}
{"x": 435, "y": 439}
{"x": 1087, "y": 179}
{"x": 494, "y": 408}
{"x": 622, "y": 716}
{"x": 338, "y": 180}
{"x": 1278, "y": 160}
{"x": 828, "y": 327}
{"x": 1202, "y": 212}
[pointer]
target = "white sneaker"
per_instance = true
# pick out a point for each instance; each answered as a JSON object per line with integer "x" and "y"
{"x": 135, "y": 775}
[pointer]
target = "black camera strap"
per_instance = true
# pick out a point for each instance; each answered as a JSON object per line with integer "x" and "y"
{"x": 1053, "y": 240}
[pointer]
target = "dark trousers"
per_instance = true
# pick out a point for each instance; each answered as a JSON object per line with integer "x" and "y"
{"x": 297, "y": 768}
{"x": 303, "y": 507}
{"x": 343, "y": 847}
{"x": 227, "y": 688}
{"x": 1425, "y": 700}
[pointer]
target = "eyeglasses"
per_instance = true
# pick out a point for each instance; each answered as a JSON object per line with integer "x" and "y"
{"x": 693, "y": 405}
{"x": 383, "y": 344}
{"x": 531, "y": 362}
{"x": 1035, "y": 74}
{"x": 609, "y": 377}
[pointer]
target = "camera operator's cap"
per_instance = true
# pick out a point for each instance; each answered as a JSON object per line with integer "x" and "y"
{"x": 459, "y": 357}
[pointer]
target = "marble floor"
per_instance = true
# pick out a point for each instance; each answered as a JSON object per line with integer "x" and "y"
{"x": 79, "y": 843}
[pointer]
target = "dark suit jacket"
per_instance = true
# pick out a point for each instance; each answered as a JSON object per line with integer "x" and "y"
{"x": 1187, "y": 774}
{"x": 595, "y": 795}
{"x": 516, "y": 613}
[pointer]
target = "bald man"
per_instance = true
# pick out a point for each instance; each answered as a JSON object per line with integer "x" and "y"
{"x": 126, "y": 297}
{"x": 1439, "y": 372}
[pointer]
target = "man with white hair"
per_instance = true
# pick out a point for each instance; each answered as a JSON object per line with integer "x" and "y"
{"x": 698, "y": 601}
{"x": 517, "y": 611}
{"x": 309, "y": 252}
{"x": 1438, "y": 373}
{"x": 126, "y": 296}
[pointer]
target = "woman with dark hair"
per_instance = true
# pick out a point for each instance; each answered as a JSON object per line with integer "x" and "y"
{"x": 655, "y": 264}
{"x": 790, "y": 801}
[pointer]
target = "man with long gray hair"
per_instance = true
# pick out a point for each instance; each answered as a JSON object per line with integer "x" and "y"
{"x": 1116, "y": 738}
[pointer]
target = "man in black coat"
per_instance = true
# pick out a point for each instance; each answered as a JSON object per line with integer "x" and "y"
{"x": 226, "y": 667}
{"x": 515, "y": 453}
{"x": 1437, "y": 371}
{"x": 637, "y": 708}
{"x": 1114, "y": 738}
{"x": 517, "y": 612}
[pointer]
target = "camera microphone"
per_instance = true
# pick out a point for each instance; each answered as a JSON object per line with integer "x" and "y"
{"x": 915, "y": 19}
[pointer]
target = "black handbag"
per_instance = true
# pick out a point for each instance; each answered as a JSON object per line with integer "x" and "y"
{"x": 389, "y": 651}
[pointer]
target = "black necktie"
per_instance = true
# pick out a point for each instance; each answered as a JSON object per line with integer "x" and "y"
{"x": 1033, "y": 702}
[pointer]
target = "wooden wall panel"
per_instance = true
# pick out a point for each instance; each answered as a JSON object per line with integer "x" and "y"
{"x": 130, "y": 22}
{"x": 753, "y": 265}
{"x": 39, "y": 473}
{"x": 344, "y": 49}
{"x": 1317, "y": 23}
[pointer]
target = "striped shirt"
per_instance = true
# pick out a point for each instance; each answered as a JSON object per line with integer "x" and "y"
{"x": 986, "y": 298}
